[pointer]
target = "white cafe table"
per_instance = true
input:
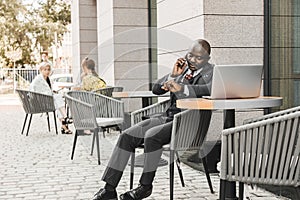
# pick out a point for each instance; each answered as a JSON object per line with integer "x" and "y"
{"x": 145, "y": 95}
{"x": 229, "y": 106}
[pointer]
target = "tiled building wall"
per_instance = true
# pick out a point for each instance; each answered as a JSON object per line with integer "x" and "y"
{"x": 233, "y": 28}
{"x": 131, "y": 44}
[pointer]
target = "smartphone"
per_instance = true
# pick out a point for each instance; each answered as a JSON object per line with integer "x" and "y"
{"x": 182, "y": 65}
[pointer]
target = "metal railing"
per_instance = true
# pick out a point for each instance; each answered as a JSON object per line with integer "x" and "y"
{"x": 13, "y": 78}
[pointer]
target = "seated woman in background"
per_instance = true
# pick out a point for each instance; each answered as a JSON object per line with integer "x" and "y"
{"x": 41, "y": 84}
{"x": 90, "y": 79}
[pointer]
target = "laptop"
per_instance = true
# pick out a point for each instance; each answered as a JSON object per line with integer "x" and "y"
{"x": 236, "y": 81}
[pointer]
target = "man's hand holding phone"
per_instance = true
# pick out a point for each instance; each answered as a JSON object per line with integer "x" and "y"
{"x": 179, "y": 67}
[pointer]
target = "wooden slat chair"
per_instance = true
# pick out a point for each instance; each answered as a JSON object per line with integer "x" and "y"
{"x": 188, "y": 133}
{"x": 104, "y": 112}
{"x": 34, "y": 103}
{"x": 266, "y": 150}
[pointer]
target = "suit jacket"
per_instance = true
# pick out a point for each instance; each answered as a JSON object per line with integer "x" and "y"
{"x": 199, "y": 86}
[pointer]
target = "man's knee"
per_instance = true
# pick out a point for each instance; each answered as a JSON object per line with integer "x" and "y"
{"x": 127, "y": 142}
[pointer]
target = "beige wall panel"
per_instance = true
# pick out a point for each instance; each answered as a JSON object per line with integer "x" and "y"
{"x": 88, "y": 23}
{"x": 133, "y": 84}
{"x": 237, "y": 55}
{"x": 131, "y": 35}
{"x": 88, "y": 36}
{"x": 131, "y": 70}
{"x": 132, "y": 104}
{"x": 234, "y": 31}
{"x": 88, "y": 48}
{"x": 87, "y": 2}
{"x": 175, "y": 11}
{"x": 88, "y": 11}
{"x": 131, "y": 52}
{"x": 134, "y": 17}
{"x": 131, "y": 3}
{"x": 234, "y": 7}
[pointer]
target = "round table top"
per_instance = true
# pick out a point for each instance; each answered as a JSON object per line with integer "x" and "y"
{"x": 225, "y": 104}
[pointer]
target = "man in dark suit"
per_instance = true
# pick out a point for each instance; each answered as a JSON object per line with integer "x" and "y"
{"x": 191, "y": 77}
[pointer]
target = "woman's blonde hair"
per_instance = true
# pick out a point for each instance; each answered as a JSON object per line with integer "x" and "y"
{"x": 44, "y": 65}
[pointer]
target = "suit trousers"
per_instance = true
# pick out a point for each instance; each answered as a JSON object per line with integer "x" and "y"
{"x": 153, "y": 133}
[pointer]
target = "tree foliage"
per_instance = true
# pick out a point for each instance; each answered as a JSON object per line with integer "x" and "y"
{"x": 32, "y": 28}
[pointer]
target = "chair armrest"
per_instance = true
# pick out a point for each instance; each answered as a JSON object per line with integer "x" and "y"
{"x": 272, "y": 115}
{"x": 136, "y": 116}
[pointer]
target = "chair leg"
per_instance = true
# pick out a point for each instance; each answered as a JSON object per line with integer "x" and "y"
{"x": 222, "y": 189}
{"x": 93, "y": 144}
{"x": 207, "y": 175}
{"x": 179, "y": 170}
{"x": 55, "y": 122}
{"x": 98, "y": 145}
{"x": 241, "y": 191}
{"x": 48, "y": 121}
{"x": 74, "y": 144}
{"x": 132, "y": 169}
{"x": 24, "y": 124}
{"x": 171, "y": 174}
{"x": 29, "y": 124}
{"x": 104, "y": 132}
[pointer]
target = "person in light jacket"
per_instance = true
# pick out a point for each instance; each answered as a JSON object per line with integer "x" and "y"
{"x": 41, "y": 84}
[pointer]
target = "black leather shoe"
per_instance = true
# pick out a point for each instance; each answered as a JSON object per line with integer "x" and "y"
{"x": 138, "y": 193}
{"x": 104, "y": 194}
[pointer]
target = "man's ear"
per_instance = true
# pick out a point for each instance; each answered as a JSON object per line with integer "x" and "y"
{"x": 207, "y": 58}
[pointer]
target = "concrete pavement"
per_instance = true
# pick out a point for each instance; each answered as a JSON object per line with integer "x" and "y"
{"x": 39, "y": 166}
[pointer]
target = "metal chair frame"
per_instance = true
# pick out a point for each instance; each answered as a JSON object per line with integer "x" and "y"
{"x": 94, "y": 112}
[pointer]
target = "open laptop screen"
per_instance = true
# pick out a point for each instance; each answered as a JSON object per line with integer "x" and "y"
{"x": 236, "y": 81}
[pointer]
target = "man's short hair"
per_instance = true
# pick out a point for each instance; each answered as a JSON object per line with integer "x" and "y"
{"x": 205, "y": 45}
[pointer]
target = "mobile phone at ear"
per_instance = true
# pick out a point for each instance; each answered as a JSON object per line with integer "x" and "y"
{"x": 182, "y": 65}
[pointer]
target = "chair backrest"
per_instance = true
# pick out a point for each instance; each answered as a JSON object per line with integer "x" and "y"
{"x": 83, "y": 113}
{"x": 104, "y": 106}
{"x": 118, "y": 89}
{"x": 265, "y": 152}
{"x": 272, "y": 115}
{"x": 34, "y": 102}
{"x": 159, "y": 107}
{"x": 189, "y": 129}
{"x": 105, "y": 91}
